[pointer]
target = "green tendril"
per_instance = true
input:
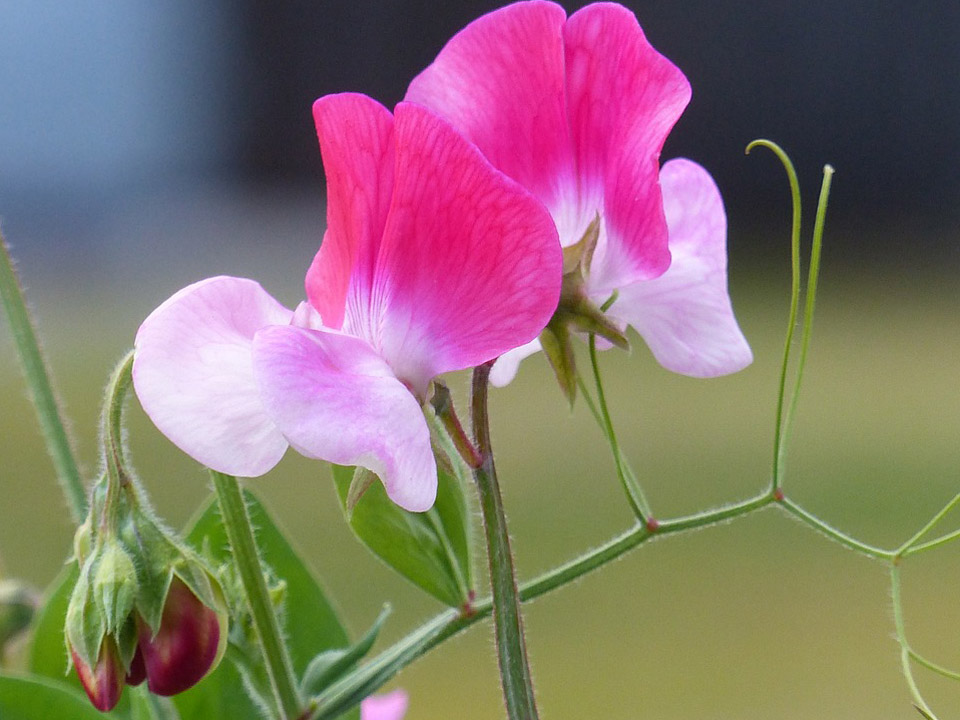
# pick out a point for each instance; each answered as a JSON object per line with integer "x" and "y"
{"x": 780, "y": 427}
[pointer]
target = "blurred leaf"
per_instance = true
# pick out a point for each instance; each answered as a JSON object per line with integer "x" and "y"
{"x": 430, "y": 549}
{"x": 311, "y": 623}
{"x": 145, "y": 706}
{"x": 32, "y": 698}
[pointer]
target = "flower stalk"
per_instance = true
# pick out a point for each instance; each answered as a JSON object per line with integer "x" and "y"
{"x": 236, "y": 519}
{"x": 507, "y": 617}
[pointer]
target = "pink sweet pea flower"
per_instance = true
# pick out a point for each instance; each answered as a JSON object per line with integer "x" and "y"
{"x": 433, "y": 261}
{"x": 391, "y": 706}
{"x": 577, "y": 110}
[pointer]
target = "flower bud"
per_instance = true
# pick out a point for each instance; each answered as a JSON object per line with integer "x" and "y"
{"x": 115, "y": 586}
{"x": 187, "y": 645}
{"x": 83, "y": 542}
{"x": 103, "y": 682}
{"x": 138, "y": 671}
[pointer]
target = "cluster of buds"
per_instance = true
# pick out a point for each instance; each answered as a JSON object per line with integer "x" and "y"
{"x": 145, "y": 606}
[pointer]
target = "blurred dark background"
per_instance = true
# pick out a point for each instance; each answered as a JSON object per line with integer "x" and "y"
{"x": 106, "y": 103}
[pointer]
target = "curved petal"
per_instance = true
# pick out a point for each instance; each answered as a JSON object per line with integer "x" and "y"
{"x": 500, "y": 81}
{"x": 193, "y": 373}
{"x": 335, "y": 399}
{"x": 685, "y": 315}
{"x": 504, "y": 370}
{"x": 470, "y": 265}
{"x": 623, "y": 98}
{"x": 390, "y": 706}
{"x": 356, "y": 142}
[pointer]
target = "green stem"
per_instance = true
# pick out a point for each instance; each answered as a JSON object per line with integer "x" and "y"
{"x": 351, "y": 689}
{"x": 444, "y": 411}
{"x": 905, "y": 651}
{"x": 236, "y": 520}
{"x": 934, "y": 521}
{"x": 41, "y": 390}
{"x": 831, "y": 532}
{"x": 949, "y": 537}
{"x": 930, "y": 665}
{"x": 507, "y": 617}
{"x": 779, "y": 435}
{"x": 374, "y": 674}
{"x": 111, "y": 429}
{"x": 635, "y": 495}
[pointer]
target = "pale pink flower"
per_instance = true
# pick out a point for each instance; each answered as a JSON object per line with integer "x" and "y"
{"x": 433, "y": 261}
{"x": 390, "y": 706}
{"x": 577, "y": 110}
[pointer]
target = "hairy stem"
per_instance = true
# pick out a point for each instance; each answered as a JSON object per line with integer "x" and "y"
{"x": 246, "y": 557}
{"x": 41, "y": 389}
{"x": 507, "y": 617}
{"x": 635, "y": 495}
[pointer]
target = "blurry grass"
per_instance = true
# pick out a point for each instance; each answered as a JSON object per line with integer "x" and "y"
{"x": 760, "y": 618}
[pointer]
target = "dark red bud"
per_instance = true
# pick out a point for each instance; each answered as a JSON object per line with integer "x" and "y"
{"x": 103, "y": 683}
{"x": 138, "y": 670}
{"x": 186, "y": 646}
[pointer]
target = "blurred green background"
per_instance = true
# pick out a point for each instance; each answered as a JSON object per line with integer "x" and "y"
{"x": 757, "y": 618}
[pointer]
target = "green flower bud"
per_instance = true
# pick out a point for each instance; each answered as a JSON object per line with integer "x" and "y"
{"x": 83, "y": 542}
{"x": 114, "y": 585}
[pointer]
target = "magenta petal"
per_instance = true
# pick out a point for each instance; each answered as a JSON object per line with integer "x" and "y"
{"x": 685, "y": 315}
{"x": 193, "y": 373}
{"x": 335, "y": 399}
{"x": 356, "y": 141}
{"x": 623, "y": 98}
{"x": 390, "y": 706}
{"x": 500, "y": 81}
{"x": 470, "y": 265}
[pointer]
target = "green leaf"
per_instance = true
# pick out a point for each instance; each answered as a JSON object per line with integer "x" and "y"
{"x": 330, "y": 665}
{"x": 430, "y": 549}
{"x": 47, "y": 657}
{"x": 31, "y": 697}
{"x": 311, "y": 623}
{"x": 219, "y": 695}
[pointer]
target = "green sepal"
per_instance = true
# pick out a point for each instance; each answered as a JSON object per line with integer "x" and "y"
{"x": 555, "y": 341}
{"x": 85, "y": 628}
{"x": 114, "y": 586}
{"x": 157, "y": 554}
{"x": 362, "y": 480}
{"x": 587, "y": 318}
{"x": 431, "y": 549}
{"x": 330, "y": 665}
{"x": 578, "y": 257}
{"x": 127, "y": 640}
